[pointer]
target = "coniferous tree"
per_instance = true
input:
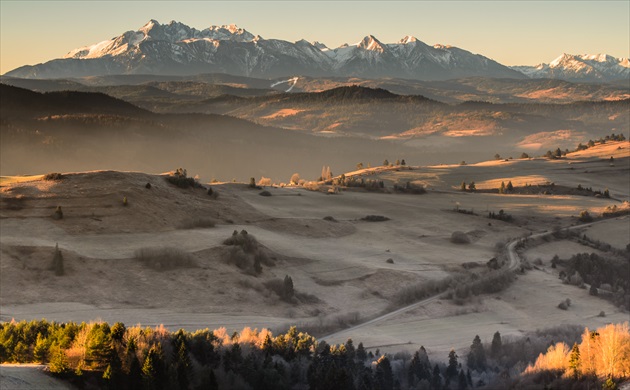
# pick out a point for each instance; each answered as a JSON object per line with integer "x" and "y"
{"x": 153, "y": 368}
{"x": 118, "y": 332}
{"x": 58, "y": 363}
{"x": 57, "y": 263}
{"x": 113, "y": 373}
{"x": 288, "y": 287}
{"x": 510, "y": 186}
{"x": 183, "y": 366}
{"x": 574, "y": 360}
{"x": 451, "y": 369}
{"x": 384, "y": 375}
{"x": 477, "y": 355}
{"x": 419, "y": 367}
{"x": 436, "y": 378}
{"x": 462, "y": 383}
{"x": 361, "y": 354}
{"x": 40, "y": 351}
{"x": 497, "y": 346}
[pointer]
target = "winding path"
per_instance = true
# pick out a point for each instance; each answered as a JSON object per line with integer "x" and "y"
{"x": 514, "y": 262}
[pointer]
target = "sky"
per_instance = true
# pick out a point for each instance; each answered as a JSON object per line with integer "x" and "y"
{"x": 510, "y": 32}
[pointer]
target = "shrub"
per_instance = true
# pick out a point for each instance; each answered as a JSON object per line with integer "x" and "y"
{"x": 163, "y": 259}
{"x": 601, "y": 314}
{"x": 585, "y": 216}
{"x": 57, "y": 263}
{"x": 390, "y": 261}
{"x": 418, "y": 291}
{"x": 246, "y": 253}
{"x": 148, "y": 186}
{"x": 212, "y": 193}
{"x": 283, "y": 288}
{"x": 409, "y": 188}
{"x": 501, "y": 216}
{"x": 264, "y": 181}
{"x": 244, "y": 240}
{"x": 563, "y": 305}
{"x": 53, "y": 176}
{"x": 374, "y": 218}
{"x": 58, "y": 214}
{"x": 180, "y": 179}
{"x": 329, "y": 218}
{"x": 125, "y": 202}
{"x": 459, "y": 237}
{"x": 239, "y": 258}
{"x": 265, "y": 193}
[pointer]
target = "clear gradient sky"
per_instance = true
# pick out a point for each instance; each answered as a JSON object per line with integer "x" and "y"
{"x": 511, "y": 32}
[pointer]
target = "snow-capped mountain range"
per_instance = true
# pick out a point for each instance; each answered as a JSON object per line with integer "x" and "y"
{"x": 585, "y": 67}
{"x": 177, "y": 49}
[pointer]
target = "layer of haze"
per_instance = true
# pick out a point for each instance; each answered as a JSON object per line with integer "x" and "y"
{"x": 511, "y": 32}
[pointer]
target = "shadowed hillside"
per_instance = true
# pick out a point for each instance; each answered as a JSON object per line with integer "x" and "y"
{"x": 70, "y": 131}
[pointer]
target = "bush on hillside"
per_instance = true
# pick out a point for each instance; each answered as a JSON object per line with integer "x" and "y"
{"x": 374, "y": 218}
{"x": 459, "y": 237}
{"x": 53, "y": 176}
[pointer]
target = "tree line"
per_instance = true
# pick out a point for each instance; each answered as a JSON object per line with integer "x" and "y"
{"x": 98, "y": 355}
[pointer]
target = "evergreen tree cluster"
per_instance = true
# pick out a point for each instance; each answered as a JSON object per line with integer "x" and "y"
{"x": 98, "y": 355}
{"x": 598, "y": 270}
{"x": 559, "y": 153}
{"x": 368, "y": 184}
{"x": 246, "y": 254}
{"x": 179, "y": 178}
{"x": 501, "y": 216}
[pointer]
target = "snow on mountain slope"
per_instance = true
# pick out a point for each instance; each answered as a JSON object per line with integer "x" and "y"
{"x": 584, "y": 67}
{"x": 177, "y": 49}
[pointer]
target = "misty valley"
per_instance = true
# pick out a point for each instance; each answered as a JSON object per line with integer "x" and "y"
{"x": 209, "y": 209}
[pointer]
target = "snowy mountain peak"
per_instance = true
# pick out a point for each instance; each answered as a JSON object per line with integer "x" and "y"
{"x": 320, "y": 46}
{"x": 150, "y": 25}
{"x": 581, "y": 67}
{"x": 440, "y": 46}
{"x": 371, "y": 43}
{"x": 175, "y": 48}
{"x": 408, "y": 39}
{"x": 228, "y": 32}
{"x": 563, "y": 58}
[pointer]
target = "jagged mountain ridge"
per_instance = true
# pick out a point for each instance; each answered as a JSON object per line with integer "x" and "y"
{"x": 584, "y": 67}
{"x": 176, "y": 49}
